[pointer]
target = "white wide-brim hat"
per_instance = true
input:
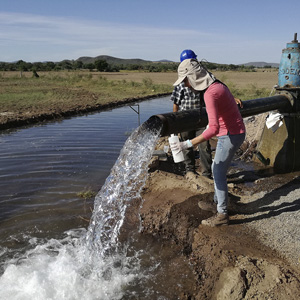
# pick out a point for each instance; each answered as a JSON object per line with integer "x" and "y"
{"x": 199, "y": 78}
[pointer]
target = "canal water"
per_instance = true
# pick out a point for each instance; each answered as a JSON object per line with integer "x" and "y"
{"x": 48, "y": 248}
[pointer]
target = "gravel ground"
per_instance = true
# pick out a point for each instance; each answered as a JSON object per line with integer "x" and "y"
{"x": 273, "y": 211}
{"x": 275, "y": 216}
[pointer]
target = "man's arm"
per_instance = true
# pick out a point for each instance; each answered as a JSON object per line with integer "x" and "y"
{"x": 175, "y": 107}
{"x": 176, "y": 97}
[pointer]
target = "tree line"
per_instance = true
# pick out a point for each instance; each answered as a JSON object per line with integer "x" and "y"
{"x": 98, "y": 65}
{"x": 104, "y": 66}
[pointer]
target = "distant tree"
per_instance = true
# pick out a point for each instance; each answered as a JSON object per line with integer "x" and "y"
{"x": 3, "y": 66}
{"x": 233, "y": 67}
{"x": 38, "y": 66}
{"x": 164, "y": 68}
{"x": 78, "y": 64}
{"x": 22, "y": 65}
{"x": 49, "y": 66}
{"x": 89, "y": 66}
{"x": 113, "y": 68}
{"x": 101, "y": 65}
{"x": 65, "y": 65}
{"x": 134, "y": 67}
{"x": 11, "y": 67}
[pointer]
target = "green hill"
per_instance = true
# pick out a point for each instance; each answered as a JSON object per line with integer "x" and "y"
{"x": 113, "y": 60}
{"x": 261, "y": 64}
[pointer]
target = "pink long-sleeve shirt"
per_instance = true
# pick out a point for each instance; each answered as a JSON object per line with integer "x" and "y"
{"x": 223, "y": 114}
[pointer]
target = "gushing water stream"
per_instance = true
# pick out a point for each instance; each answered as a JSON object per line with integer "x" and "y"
{"x": 90, "y": 264}
{"x": 123, "y": 185}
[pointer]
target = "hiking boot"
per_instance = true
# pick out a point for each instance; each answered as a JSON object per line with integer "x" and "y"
{"x": 216, "y": 220}
{"x": 208, "y": 206}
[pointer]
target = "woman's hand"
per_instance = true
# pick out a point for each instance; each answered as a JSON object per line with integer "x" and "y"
{"x": 176, "y": 148}
{"x": 239, "y": 102}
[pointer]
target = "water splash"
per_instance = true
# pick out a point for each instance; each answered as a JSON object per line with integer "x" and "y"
{"x": 125, "y": 183}
{"x": 88, "y": 264}
{"x": 59, "y": 269}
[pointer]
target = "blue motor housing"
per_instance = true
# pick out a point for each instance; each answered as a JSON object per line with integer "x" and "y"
{"x": 289, "y": 67}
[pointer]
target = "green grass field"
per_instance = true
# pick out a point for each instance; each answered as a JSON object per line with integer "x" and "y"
{"x": 25, "y": 96}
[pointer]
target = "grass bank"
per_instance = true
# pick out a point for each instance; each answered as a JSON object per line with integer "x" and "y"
{"x": 52, "y": 95}
{"x": 27, "y": 99}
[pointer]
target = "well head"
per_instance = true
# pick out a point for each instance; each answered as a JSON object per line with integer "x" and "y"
{"x": 289, "y": 68}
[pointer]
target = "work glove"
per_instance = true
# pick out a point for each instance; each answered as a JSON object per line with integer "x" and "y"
{"x": 176, "y": 148}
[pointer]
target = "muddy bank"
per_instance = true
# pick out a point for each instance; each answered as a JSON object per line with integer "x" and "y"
{"x": 227, "y": 262}
{"x": 86, "y": 105}
{"x": 257, "y": 255}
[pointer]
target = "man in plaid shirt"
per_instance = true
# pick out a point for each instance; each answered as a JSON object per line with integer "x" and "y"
{"x": 184, "y": 98}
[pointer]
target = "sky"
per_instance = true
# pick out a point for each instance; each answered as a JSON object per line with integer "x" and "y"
{"x": 219, "y": 31}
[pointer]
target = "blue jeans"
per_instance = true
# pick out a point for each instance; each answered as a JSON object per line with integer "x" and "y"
{"x": 226, "y": 147}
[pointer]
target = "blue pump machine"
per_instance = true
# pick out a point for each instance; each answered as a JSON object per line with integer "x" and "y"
{"x": 282, "y": 148}
{"x": 289, "y": 68}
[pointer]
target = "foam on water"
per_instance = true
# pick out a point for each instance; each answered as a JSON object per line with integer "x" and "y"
{"x": 88, "y": 264}
{"x": 61, "y": 269}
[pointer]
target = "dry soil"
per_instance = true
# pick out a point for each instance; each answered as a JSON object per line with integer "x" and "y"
{"x": 257, "y": 255}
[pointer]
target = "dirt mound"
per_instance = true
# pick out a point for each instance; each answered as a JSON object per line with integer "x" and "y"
{"x": 227, "y": 262}
{"x": 247, "y": 259}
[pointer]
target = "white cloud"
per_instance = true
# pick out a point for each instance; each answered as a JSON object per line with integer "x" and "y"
{"x": 39, "y": 38}
{"x": 34, "y": 34}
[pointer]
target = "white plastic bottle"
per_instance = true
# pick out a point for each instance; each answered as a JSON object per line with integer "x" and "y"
{"x": 178, "y": 157}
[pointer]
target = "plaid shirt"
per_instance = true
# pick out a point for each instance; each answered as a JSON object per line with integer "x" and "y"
{"x": 185, "y": 98}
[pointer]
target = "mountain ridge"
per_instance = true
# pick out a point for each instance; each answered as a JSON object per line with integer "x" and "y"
{"x": 116, "y": 60}
{"x": 112, "y": 60}
{"x": 260, "y": 64}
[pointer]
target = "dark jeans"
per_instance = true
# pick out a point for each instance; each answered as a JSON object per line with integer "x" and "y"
{"x": 204, "y": 153}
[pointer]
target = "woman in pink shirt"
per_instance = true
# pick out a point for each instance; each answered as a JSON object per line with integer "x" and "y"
{"x": 224, "y": 121}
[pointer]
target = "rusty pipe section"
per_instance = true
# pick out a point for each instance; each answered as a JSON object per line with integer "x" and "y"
{"x": 194, "y": 119}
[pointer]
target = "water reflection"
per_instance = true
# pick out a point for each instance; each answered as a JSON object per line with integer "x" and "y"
{"x": 43, "y": 168}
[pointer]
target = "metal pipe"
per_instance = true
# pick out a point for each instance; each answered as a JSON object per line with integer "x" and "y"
{"x": 281, "y": 102}
{"x": 193, "y": 119}
{"x": 181, "y": 121}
